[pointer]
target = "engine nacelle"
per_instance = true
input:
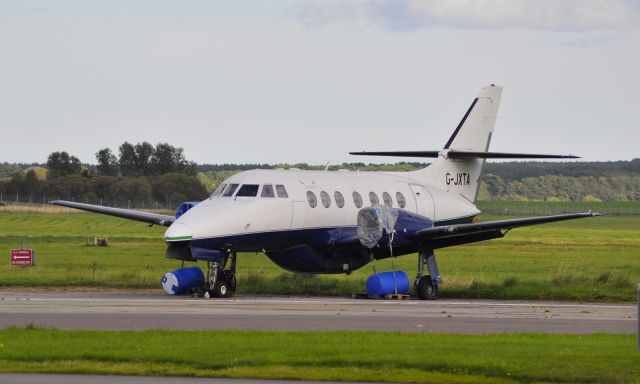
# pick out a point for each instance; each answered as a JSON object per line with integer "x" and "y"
{"x": 376, "y": 225}
{"x": 184, "y": 207}
{"x": 181, "y": 280}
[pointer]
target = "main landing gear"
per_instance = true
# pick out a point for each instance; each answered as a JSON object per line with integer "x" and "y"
{"x": 426, "y": 286}
{"x": 220, "y": 282}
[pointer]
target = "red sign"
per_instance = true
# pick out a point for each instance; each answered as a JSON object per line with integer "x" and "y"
{"x": 22, "y": 257}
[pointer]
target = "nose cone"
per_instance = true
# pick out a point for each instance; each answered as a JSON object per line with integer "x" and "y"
{"x": 178, "y": 232}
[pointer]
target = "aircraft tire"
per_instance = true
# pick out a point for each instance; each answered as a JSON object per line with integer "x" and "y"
{"x": 222, "y": 289}
{"x": 426, "y": 289}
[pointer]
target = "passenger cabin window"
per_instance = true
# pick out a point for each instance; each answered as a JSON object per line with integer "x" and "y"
{"x": 401, "y": 201}
{"x": 339, "y": 199}
{"x": 267, "y": 191}
{"x": 219, "y": 190}
{"x": 311, "y": 197}
{"x": 248, "y": 190}
{"x": 387, "y": 199}
{"x": 357, "y": 199}
{"x": 373, "y": 198}
{"x": 326, "y": 201}
{"x": 230, "y": 189}
{"x": 281, "y": 191}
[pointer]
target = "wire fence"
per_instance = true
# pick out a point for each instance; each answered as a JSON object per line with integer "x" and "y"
{"x": 43, "y": 201}
{"x": 494, "y": 207}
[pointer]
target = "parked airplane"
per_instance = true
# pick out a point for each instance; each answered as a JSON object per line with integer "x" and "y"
{"x": 337, "y": 222}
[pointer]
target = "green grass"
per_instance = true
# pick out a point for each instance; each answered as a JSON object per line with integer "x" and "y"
{"x": 344, "y": 356}
{"x": 588, "y": 259}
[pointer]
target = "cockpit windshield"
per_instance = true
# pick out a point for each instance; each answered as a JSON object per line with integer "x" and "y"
{"x": 218, "y": 190}
{"x": 229, "y": 190}
{"x": 248, "y": 190}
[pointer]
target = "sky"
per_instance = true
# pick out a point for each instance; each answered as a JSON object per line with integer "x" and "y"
{"x": 308, "y": 81}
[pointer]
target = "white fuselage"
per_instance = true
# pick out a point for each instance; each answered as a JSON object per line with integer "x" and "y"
{"x": 234, "y": 215}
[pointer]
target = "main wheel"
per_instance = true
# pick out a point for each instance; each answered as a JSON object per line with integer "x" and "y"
{"x": 426, "y": 289}
{"x": 222, "y": 289}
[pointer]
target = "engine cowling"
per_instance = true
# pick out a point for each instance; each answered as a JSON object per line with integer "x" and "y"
{"x": 376, "y": 224}
{"x": 184, "y": 207}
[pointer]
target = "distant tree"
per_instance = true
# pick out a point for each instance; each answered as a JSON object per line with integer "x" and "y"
{"x": 127, "y": 159}
{"x": 144, "y": 154}
{"x": 170, "y": 159}
{"x": 32, "y": 185}
{"x": 68, "y": 187}
{"x": 14, "y": 185}
{"x": 176, "y": 188}
{"x": 107, "y": 163}
{"x": 62, "y": 164}
{"x": 7, "y": 170}
{"x": 495, "y": 185}
{"x": 101, "y": 186}
{"x": 133, "y": 189}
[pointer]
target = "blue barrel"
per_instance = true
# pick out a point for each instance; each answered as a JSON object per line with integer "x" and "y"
{"x": 179, "y": 280}
{"x": 384, "y": 283}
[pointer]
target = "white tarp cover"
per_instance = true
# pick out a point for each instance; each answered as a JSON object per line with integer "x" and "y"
{"x": 373, "y": 222}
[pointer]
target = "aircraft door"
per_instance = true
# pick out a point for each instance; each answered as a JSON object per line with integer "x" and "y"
{"x": 297, "y": 218}
{"x": 424, "y": 200}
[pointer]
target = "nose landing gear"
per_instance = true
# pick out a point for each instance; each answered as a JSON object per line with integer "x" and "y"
{"x": 426, "y": 286}
{"x": 220, "y": 282}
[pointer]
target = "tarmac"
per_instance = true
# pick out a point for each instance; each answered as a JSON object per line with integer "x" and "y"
{"x": 142, "y": 309}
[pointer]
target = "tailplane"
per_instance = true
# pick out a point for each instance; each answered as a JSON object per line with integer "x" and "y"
{"x": 458, "y": 165}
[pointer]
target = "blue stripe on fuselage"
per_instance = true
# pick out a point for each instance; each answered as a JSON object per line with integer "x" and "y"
{"x": 325, "y": 237}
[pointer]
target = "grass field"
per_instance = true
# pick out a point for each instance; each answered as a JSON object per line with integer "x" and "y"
{"x": 366, "y": 356}
{"x": 588, "y": 259}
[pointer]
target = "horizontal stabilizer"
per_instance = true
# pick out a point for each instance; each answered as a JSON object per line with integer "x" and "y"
{"x": 453, "y": 154}
{"x": 455, "y": 234}
{"x": 146, "y": 217}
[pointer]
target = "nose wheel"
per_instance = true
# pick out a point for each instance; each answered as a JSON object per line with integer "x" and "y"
{"x": 221, "y": 282}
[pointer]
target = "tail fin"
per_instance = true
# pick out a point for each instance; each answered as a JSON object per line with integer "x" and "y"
{"x": 458, "y": 166}
{"x": 461, "y": 176}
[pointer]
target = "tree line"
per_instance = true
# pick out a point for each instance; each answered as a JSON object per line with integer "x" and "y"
{"x": 141, "y": 175}
{"x": 148, "y": 175}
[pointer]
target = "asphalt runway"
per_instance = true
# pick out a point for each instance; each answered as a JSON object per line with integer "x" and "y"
{"x": 137, "y": 310}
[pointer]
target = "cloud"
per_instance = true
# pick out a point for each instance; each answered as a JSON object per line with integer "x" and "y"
{"x": 571, "y": 15}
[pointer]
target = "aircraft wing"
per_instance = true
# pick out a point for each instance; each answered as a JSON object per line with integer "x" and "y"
{"x": 455, "y": 234}
{"x": 147, "y": 217}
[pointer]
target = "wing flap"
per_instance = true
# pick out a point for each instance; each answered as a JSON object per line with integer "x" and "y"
{"x": 146, "y": 217}
{"x": 456, "y": 234}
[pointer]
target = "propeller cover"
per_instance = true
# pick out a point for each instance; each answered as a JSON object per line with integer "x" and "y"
{"x": 374, "y": 222}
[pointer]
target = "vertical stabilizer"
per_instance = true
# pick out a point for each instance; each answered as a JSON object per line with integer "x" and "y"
{"x": 462, "y": 176}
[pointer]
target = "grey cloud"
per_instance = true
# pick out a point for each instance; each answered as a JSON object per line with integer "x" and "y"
{"x": 571, "y": 15}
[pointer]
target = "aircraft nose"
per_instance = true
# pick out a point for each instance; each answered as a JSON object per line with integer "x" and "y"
{"x": 178, "y": 232}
